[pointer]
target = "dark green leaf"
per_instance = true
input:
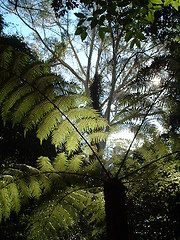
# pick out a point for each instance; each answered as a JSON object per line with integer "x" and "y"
{"x": 132, "y": 43}
{"x": 98, "y": 12}
{"x": 101, "y": 33}
{"x": 140, "y": 35}
{"x": 138, "y": 44}
{"x": 78, "y": 31}
{"x": 81, "y": 21}
{"x": 101, "y": 20}
{"x": 94, "y": 23}
{"x": 89, "y": 19}
{"x": 106, "y": 29}
{"x": 80, "y": 15}
{"x": 83, "y": 34}
{"x": 129, "y": 35}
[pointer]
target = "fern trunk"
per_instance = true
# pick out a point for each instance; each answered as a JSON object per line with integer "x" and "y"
{"x": 116, "y": 216}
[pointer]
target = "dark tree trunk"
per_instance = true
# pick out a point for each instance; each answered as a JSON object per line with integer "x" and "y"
{"x": 116, "y": 216}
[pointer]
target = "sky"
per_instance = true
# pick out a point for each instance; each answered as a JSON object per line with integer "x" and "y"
{"x": 16, "y": 26}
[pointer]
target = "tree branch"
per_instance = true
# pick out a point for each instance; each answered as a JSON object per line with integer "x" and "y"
{"x": 62, "y": 62}
{"x": 90, "y": 59}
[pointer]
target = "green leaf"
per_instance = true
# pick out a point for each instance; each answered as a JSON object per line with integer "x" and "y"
{"x": 150, "y": 16}
{"x": 101, "y": 20}
{"x": 80, "y": 15}
{"x": 101, "y": 33}
{"x": 156, "y": 1}
{"x": 81, "y": 21}
{"x": 128, "y": 35}
{"x": 175, "y": 4}
{"x": 138, "y": 44}
{"x": 106, "y": 29}
{"x": 158, "y": 7}
{"x": 83, "y": 34}
{"x": 132, "y": 43}
{"x": 167, "y": 2}
{"x": 94, "y": 23}
{"x": 98, "y": 12}
{"x": 140, "y": 35}
{"x": 78, "y": 31}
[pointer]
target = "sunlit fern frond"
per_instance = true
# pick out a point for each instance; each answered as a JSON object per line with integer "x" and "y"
{"x": 55, "y": 218}
{"x": 20, "y": 182}
{"x": 30, "y": 96}
{"x": 15, "y": 187}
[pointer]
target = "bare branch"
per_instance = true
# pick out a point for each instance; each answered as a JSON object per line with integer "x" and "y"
{"x": 61, "y": 61}
{"x": 90, "y": 58}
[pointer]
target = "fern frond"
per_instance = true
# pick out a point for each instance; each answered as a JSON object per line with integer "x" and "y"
{"x": 5, "y": 203}
{"x": 7, "y": 87}
{"x": 5, "y": 56}
{"x": 36, "y": 114}
{"x": 58, "y": 216}
{"x": 45, "y": 165}
{"x": 79, "y": 113}
{"x": 60, "y": 162}
{"x": 17, "y": 185}
{"x": 95, "y": 213}
{"x": 19, "y": 61}
{"x": 61, "y": 133}
{"x": 15, "y": 198}
{"x": 74, "y": 163}
{"x": 24, "y": 106}
{"x": 48, "y": 124}
{"x": 34, "y": 70}
{"x": 33, "y": 99}
{"x": 96, "y": 137}
{"x": 72, "y": 143}
{"x": 35, "y": 187}
{"x": 13, "y": 98}
{"x": 92, "y": 166}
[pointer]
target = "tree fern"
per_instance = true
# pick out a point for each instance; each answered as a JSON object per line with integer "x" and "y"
{"x": 27, "y": 101}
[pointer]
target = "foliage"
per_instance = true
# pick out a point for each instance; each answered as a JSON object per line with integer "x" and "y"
{"x": 105, "y": 70}
{"x": 24, "y": 87}
{"x": 25, "y": 92}
{"x": 42, "y": 101}
{"x": 167, "y": 65}
{"x": 73, "y": 176}
{"x": 133, "y": 15}
{"x": 152, "y": 191}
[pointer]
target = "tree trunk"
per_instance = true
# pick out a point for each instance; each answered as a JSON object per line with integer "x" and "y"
{"x": 116, "y": 216}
